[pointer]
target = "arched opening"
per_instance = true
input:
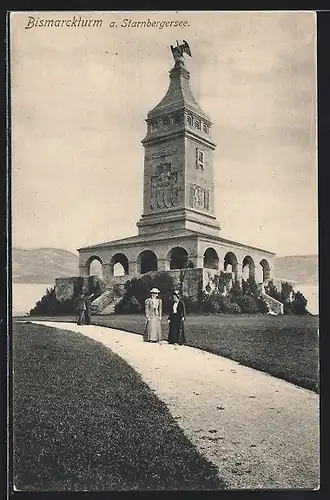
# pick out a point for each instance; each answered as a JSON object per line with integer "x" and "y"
{"x": 119, "y": 265}
{"x": 248, "y": 267}
{"x": 211, "y": 259}
{"x": 230, "y": 263}
{"x": 265, "y": 270}
{"x": 147, "y": 261}
{"x": 95, "y": 267}
{"x": 178, "y": 258}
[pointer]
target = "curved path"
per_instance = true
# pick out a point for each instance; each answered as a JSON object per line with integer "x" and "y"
{"x": 261, "y": 432}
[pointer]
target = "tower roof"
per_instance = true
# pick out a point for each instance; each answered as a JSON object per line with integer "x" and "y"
{"x": 178, "y": 95}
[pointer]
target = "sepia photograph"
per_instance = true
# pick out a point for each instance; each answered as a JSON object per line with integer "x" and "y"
{"x": 164, "y": 207}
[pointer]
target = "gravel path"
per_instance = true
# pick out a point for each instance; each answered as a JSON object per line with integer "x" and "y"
{"x": 261, "y": 432}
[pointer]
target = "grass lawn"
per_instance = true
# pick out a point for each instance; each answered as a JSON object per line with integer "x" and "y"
{"x": 283, "y": 346}
{"x": 85, "y": 420}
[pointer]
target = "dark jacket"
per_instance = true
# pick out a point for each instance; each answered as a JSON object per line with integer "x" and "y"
{"x": 180, "y": 310}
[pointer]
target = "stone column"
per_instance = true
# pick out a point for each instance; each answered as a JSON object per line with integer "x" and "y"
{"x": 133, "y": 267}
{"x": 83, "y": 271}
{"x": 197, "y": 260}
{"x": 259, "y": 274}
{"x": 163, "y": 265}
{"x": 107, "y": 272}
{"x": 239, "y": 270}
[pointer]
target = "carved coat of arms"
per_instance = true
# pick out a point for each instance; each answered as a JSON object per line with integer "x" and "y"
{"x": 164, "y": 188}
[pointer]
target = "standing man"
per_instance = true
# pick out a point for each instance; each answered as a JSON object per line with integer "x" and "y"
{"x": 176, "y": 320}
{"x": 80, "y": 307}
{"x": 88, "y": 307}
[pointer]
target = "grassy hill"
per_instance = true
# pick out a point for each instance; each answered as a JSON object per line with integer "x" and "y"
{"x": 42, "y": 265}
{"x": 300, "y": 268}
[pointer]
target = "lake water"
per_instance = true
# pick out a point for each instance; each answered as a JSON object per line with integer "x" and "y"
{"x": 311, "y": 292}
{"x": 26, "y": 295}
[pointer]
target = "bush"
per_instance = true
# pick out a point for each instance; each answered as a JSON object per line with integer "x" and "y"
{"x": 49, "y": 304}
{"x": 299, "y": 304}
{"x": 129, "y": 305}
{"x": 138, "y": 289}
{"x": 295, "y": 306}
{"x": 228, "y": 306}
{"x": 262, "y": 305}
{"x": 96, "y": 286}
{"x": 249, "y": 304}
{"x": 250, "y": 287}
{"x": 272, "y": 291}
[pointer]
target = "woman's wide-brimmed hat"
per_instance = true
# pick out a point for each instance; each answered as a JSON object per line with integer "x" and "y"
{"x": 154, "y": 290}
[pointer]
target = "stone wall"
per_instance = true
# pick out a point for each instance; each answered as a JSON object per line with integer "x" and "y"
{"x": 66, "y": 288}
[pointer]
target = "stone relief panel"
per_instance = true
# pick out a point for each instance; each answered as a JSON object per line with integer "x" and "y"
{"x": 164, "y": 187}
{"x": 163, "y": 153}
{"x": 199, "y": 197}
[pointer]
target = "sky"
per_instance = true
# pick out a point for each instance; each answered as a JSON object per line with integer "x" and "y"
{"x": 80, "y": 97}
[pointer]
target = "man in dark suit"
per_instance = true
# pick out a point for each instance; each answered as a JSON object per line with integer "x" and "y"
{"x": 176, "y": 320}
{"x": 80, "y": 308}
{"x": 88, "y": 312}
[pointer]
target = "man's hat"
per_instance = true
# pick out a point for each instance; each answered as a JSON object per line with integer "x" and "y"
{"x": 177, "y": 293}
{"x": 154, "y": 290}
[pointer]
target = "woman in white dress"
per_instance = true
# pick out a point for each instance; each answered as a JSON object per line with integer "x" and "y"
{"x": 153, "y": 310}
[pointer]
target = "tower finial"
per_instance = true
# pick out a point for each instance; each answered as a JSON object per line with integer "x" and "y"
{"x": 179, "y": 50}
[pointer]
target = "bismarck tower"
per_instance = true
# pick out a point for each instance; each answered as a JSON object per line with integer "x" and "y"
{"x": 178, "y": 231}
{"x": 178, "y": 166}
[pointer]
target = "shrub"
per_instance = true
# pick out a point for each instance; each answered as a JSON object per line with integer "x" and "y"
{"x": 249, "y": 304}
{"x": 96, "y": 286}
{"x": 49, "y": 304}
{"x": 272, "y": 291}
{"x": 138, "y": 288}
{"x": 250, "y": 287}
{"x": 191, "y": 305}
{"x": 299, "y": 304}
{"x": 262, "y": 305}
{"x": 295, "y": 306}
{"x": 236, "y": 289}
{"x": 129, "y": 305}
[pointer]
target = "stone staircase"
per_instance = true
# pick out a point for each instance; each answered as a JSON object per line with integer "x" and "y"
{"x": 106, "y": 303}
{"x": 275, "y": 307}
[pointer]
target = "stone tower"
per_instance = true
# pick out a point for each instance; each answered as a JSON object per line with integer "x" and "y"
{"x": 178, "y": 190}
{"x": 178, "y": 232}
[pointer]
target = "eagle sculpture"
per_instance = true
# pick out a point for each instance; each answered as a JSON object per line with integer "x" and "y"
{"x": 179, "y": 50}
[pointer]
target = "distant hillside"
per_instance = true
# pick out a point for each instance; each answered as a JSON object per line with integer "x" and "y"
{"x": 300, "y": 268}
{"x": 42, "y": 265}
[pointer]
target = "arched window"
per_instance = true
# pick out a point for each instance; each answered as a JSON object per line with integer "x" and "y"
{"x": 95, "y": 267}
{"x": 189, "y": 120}
{"x": 211, "y": 259}
{"x": 119, "y": 265}
{"x": 147, "y": 261}
{"x": 230, "y": 263}
{"x": 248, "y": 267}
{"x": 178, "y": 258}
{"x": 205, "y": 128}
{"x": 198, "y": 124}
